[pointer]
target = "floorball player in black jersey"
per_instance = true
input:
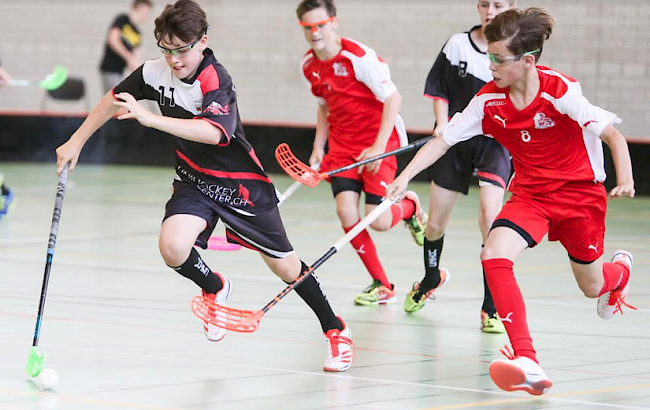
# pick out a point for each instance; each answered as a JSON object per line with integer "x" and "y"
{"x": 459, "y": 72}
{"x": 218, "y": 175}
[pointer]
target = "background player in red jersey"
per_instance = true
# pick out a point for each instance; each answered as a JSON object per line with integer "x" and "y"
{"x": 555, "y": 136}
{"x": 358, "y": 118}
{"x": 218, "y": 175}
{"x": 461, "y": 69}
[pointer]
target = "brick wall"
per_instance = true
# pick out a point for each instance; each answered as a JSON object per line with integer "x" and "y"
{"x": 603, "y": 43}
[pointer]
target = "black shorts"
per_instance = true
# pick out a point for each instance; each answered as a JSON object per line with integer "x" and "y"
{"x": 455, "y": 169}
{"x": 264, "y": 233}
{"x": 340, "y": 184}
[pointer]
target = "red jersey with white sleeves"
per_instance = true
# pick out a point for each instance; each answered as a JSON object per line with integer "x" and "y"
{"x": 354, "y": 85}
{"x": 553, "y": 140}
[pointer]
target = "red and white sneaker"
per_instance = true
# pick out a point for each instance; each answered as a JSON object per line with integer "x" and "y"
{"x": 213, "y": 332}
{"x": 609, "y": 303}
{"x": 339, "y": 349}
{"x": 519, "y": 373}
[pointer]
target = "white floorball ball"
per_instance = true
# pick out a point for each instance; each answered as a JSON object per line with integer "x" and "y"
{"x": 48, "y": 378}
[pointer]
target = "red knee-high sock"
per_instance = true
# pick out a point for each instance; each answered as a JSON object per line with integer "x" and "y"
{"x": 510, "y": 305}
{"x": 366, "y": 250}
{"x": 616, "y": 276}
{"x": 402, "y": 211}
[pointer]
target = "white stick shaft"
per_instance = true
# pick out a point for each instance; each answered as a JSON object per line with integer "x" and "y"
{"x": 294, "y": 187}
{"x": 363, "y": 224}
{"x": 19, "y": 83}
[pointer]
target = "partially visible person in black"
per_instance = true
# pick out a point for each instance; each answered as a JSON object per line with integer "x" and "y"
{"x": 6, "y": 196}
{"x": 122, "y": 42}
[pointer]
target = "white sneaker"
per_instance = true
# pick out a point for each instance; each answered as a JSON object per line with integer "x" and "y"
{"x": 611, "y": 302}
{"x": 520, "y": 373}
{"x": 213, "y": 332}
{"x": 339, "y": 349}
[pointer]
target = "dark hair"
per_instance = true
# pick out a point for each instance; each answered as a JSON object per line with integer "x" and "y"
{"x": 521, "y": 30}
{"x": 137, "y": 3}
{"x": 309, "y": 5}
{"x": 185, "y": 20}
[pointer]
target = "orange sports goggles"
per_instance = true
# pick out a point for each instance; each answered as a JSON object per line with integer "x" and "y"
{"x": 318, "y": 25}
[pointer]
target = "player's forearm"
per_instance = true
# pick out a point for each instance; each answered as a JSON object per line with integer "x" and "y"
{"x": 321, "y": 127}
{"x": 620, "y": 155}
{"x": 102, "y": 112}
{"x": 392, "y": 106}
{"x": 196, "y": 130}
{"x": 441, "y": 112}
{"x": 427, "y": 155}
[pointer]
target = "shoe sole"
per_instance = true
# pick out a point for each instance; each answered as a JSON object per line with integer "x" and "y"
{"x": 379, "y": 302}
{"x": 511, "y": 378}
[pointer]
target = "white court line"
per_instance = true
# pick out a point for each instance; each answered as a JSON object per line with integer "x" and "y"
{"x": 321, "y": 374}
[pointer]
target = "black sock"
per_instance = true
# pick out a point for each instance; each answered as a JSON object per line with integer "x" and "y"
{"x": 5, "y": 190}
{"x": 195, "y": 269}
{"x": 309, "y": 290}
{"x": 432, "y": 252}
{"x": 488, "y": 303}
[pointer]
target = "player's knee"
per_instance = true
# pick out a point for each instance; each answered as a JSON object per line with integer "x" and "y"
{"x": 173, "y": 253}
{"x": 347, "y": 214}
{"x": 590, "y": 289}
{"x": 434, "y": 230}
{"x": 490, "y": 252}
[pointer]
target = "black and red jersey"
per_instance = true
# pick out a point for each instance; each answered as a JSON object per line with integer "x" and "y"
{"x": 553, "y": 140}
{"x": 228, "y": 173}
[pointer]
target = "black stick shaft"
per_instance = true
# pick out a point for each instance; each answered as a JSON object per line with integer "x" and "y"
{"x": 51, "y": 244}
{"x": 363, "y": 224}
{"x": 411, "y": 146}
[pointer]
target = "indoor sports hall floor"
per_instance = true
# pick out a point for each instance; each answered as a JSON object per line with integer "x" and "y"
{"x": 119, "y": 330}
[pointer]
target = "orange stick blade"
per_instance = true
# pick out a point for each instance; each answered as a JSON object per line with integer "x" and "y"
{"x": 237, "y": 320}
{"x": 295, "y": 168}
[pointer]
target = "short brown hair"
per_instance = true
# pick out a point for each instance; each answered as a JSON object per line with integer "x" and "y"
{"x": 137, "y": 3}
{"x": 185, "y": 20}
{"x": 309, "y": 5}
{"x": 521, "y": 30}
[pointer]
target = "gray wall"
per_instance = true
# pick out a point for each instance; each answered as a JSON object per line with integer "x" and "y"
{"x": 603, "y": 43}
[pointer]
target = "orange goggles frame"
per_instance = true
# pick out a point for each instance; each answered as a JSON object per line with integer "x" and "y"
{"x": 318, "y": 25}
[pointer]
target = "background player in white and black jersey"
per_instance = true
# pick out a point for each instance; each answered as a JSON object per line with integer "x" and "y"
{"x": 459, "y": 72}
{"x": 218, "y": 176}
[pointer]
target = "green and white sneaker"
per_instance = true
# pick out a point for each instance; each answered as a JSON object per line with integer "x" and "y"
{"x": 418, "y": 222}
{"x": 411, "y": 305}
{"x": 375, "y": 294}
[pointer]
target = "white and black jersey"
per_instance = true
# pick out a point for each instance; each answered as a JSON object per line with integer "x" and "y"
{"x": 459, "y": 72}
{"x": 228, "y": 173}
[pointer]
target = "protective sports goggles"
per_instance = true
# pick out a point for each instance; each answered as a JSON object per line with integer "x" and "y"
{"x": 319, "y": 25}
{"x": 501, "y": 60}
{"x": 180, "y": 50}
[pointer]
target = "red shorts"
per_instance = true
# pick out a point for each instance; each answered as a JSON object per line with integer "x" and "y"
{"x": 375, "y": 184}
{"x": 574, "y": 215}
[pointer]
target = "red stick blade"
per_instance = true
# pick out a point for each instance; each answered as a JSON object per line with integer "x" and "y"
{"x": 295, "y": 168}
{"x": 237, "y": 320}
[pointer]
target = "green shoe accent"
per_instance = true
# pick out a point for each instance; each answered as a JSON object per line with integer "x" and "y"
{"x": 375, "y": 294}
{"x": 491, "y": 324}
{"x": 410, "y": 304}
{"x": 417, "y": 225}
